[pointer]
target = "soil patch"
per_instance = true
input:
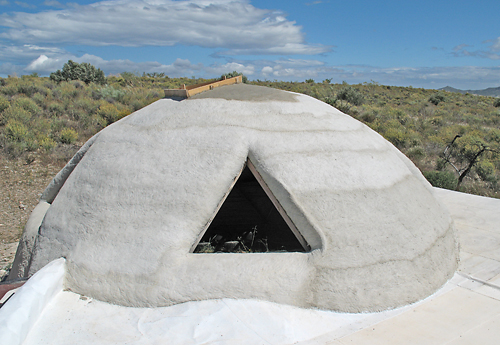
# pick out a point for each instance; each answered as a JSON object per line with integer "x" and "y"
{"x": 21, "y": 185}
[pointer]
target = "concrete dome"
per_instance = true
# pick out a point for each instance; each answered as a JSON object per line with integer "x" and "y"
{"x": 129, "y": 208}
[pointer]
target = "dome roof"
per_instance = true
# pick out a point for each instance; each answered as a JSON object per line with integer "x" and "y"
{"x": 130, "y": 209}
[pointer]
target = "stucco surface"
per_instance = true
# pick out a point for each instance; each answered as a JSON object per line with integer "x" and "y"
{"x": 139, "y": 196}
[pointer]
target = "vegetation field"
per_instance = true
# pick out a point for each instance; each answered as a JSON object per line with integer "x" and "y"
{"x": 453, "y": 138}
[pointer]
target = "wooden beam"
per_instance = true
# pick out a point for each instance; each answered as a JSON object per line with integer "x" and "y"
{"x": 188, "y": 91}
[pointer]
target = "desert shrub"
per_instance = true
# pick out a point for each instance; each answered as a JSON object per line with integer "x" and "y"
{"x": 10, "y": 89}
{"x": 87, "y": 104}
{"x": 496, "y": 104}
{"x": 39, "y": 99}
{"x": 15, "y": 113}
{"x": 109, "y": 112}
{"x": 112, "y": 93}
{"x": 351, "y": 95}
{"x": 486, "y": 170}
{"x": 137, "y": 104}
{"x": 396, "y": 136}
{"x": 441, "y": 179}
{"x": 66, "y": 91}
{"x": 68, "y": 136}
{"x": 125, "y": 111}
{"x": 29, "y": 88}
{"x": 16, "y": 131}
{"x": 416, "y": 152}
{"x": 4, "y": 103}
{"x": 78, "y": 84}
{"x": 55, "y": 108}
{"x": 75, "y": 113}
{"x": 437, "y": 98}
{"x": 75, "y": 71}
{"x": 309, "y": 81}
{"x": 47, "y": 143}
{"x": 235, "y": 74}
{"x": 27, "y": 104}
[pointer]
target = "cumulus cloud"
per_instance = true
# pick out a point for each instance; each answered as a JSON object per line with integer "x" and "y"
{"x": 247, "y": 70}
{"x": 232, "y": 25}
{"x": 26, "y": 52}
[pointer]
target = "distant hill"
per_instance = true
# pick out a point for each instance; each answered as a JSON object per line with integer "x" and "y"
{"x": 491, "y": 91}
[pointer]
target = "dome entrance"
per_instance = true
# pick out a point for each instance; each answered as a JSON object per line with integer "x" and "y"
{"x": 250, "y": 220}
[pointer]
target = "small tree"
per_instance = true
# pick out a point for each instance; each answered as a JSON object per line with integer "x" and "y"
{"x": 464, "y": 152}
{"x": 235, "y": 74}
{"x": 75, "y": 71}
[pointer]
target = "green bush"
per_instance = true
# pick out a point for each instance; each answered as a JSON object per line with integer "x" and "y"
{"x": 55, "y": 108}
{"x": 27, "y": 104}
{"x": 47, "y": 143}
{"x": 15, "y": 113}
{"x": 235, "y": 74}
{"x": 441, "y": 179}
{"x": 68, "y": 136}
{"x": 350, "y": 95}
{"x": 486, "y": 170}
{"x": 396, "y": 136}
{"x": 437, "y": 98}
{"x": 496, "y": 104}
{"x": 75, "y": 71}
{"x": 39, "y": 99}
{"x": 4, "y": 103}
{"x": 109, "y": 112}
{"x": 416, "y": 152}
{"x": 109, "y": 92}
{"x": 16, "y": 131}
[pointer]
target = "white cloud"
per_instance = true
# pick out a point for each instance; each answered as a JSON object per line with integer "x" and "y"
{"x": 496, "y": 44}
{"x": 285, "y": 49}
{"x": 463, "y": 77}
{"x": 53, "y": 3}
{"x": 267, "y": 70}
{"x": 44, "y": 65}
{"x": 24, "y": 4}
{"x": 490, "y": 52}
{"x": 217, "y": 70}
{"x": 467, "y": 77}
{"x": 233, "y": 25}
{"x": 4, "y": 3}
{"x": 26, "y": 52}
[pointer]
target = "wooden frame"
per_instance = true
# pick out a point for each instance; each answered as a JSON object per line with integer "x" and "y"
{"x": 191, "y": 90}
{"x": 269, "y": 194}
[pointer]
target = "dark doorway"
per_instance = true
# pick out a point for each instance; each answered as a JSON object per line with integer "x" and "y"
{"x": 249, "y": 222}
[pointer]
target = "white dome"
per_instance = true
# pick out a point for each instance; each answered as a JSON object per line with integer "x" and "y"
{"x": 128, "y": 210}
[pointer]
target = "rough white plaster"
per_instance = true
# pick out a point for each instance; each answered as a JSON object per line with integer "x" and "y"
{"x": 129, "y": 212}
{"x": 22, "y": 260}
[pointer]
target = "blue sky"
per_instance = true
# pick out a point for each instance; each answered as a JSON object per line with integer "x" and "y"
{"x": 423, "y": 43}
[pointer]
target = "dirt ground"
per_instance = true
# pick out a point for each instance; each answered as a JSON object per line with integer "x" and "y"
{"x": 22, "y": 182}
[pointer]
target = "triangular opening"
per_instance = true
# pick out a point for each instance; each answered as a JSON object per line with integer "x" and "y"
{"x": 250, "y": 220}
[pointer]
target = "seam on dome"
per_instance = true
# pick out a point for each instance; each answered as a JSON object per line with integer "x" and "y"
{"x": 425, "y": 251}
